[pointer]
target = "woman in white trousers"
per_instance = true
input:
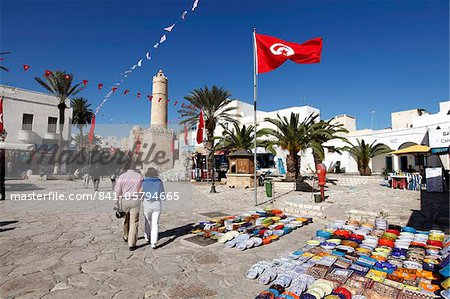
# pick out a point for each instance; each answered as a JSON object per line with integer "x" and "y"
{"x": 153, "y": 190}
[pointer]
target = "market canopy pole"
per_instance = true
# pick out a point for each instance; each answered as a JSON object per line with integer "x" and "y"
{"x": 255, "y": 82}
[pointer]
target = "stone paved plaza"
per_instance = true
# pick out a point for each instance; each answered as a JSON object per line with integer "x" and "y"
{"x": 74, "y": 249}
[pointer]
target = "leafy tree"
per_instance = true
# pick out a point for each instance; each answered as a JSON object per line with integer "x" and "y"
{"x": 241, "y": 138}
{"x": 363, "y": 152}
{"x": 291, "y": 135}
{"x": 1, "y": 66}
{"x": 82, "y": 116}
{"x": 322, "y": 132}
{"x": 214, "y": 102}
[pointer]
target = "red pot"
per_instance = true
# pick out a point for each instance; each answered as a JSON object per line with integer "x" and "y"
{"x": 344, "y": 292}
{"x": 393, "y": 231}
{"x": 386, "y": 242}
{"x": 357, "y": 236}
{"x": 342, "y": 233}
{"x": 435, "y": 243}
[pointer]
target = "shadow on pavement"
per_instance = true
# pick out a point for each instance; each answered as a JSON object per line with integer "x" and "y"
{"x": 4, "y": 223}
{"x": 22, "y": 187}
{"x": 433, "y": 213}
{"x": 174, "y": 233}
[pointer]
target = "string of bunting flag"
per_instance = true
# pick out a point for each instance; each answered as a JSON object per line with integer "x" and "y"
{"x": 148, "y": 56}
{"x": 115, "y": 87}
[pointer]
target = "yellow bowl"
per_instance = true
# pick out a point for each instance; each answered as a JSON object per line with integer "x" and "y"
{"x": 383, "y": 250}
{"x": 335, "y": 241}
{"x": 435, "y": 237}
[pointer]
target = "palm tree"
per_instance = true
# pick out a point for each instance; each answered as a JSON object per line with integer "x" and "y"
{"x": 82, "y": 116}
{"x": 291, "y": 135}
{"x": 59, "y": 83}
{"x": 84, "y": 138}
{"x": 1, "y": 66}
{"x": 364, "y": 152}
{"x": 241, "y": 138}
{"x": 322, "y": 132}
{"x": 214, "y": 102}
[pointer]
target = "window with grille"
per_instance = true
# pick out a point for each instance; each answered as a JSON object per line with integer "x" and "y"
{"x": 27, "y": 122}
{"x": 51, "y": 128}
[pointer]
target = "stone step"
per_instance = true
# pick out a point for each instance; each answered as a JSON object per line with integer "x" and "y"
{"x": 302, "y": 212}
{"x": 315, "y": 207}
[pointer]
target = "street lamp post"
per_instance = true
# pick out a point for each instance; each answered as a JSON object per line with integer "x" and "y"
{"x": 213, "y": 185}
{"x": 213, "y": 180}
{"x": 2, "y": 166}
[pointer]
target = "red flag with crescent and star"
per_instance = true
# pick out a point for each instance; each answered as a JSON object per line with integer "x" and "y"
{"x": 91, "y": 131}
{"x": 201, "y": 125}
{"x": 273, "y": 52}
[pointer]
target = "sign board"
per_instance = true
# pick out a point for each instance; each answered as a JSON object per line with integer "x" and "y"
{"x": 434, "y": 179}
{"x": 439, "y": 137}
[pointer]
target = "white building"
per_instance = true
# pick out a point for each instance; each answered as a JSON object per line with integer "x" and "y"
{"x": 31, "y": 117}
{"x": 31, "y": 120}
{"x": 408, "y": 128}
{"x": 246, "y": 117}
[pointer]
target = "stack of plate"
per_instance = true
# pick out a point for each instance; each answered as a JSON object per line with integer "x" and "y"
{"x": 381, "y": 223}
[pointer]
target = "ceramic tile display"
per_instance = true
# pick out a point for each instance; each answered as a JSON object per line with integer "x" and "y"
{"x": 361, "y": 261}
{"x": 250, "y": 230}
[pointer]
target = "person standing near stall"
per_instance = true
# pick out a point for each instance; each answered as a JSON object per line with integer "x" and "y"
{"x": 153, "y": 192}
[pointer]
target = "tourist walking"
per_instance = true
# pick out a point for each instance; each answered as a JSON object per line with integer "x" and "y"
{"x": 113, "y": 177}
{"x": 153, "y": 193}
{"x": 95, "y": 174}
{"x": 86, "y": 177}
{"x": 127, "y": 191}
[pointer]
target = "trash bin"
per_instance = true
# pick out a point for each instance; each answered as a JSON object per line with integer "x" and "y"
{"x": 268, "y": 188}
{"x": 317, "y": 198}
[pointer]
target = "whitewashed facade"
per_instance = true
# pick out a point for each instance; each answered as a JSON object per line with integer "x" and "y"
{"x": 32, "y": 118}
{"x": 408, "y": 128}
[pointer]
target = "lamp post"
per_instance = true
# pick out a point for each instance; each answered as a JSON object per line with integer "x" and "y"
{"x": 213, "y": 185}
{"x": 3, "y": 135}
{"x": 213, "y": 179}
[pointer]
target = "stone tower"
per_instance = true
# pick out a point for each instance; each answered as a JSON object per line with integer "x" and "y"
{"x": 158, "y": 116}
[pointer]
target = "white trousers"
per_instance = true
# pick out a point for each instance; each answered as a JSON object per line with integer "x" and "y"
{"x": 152, "y": 210}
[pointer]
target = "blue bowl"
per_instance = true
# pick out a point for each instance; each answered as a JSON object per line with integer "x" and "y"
{"x": 323, "y": 234}
{"x": 409, "y": 229}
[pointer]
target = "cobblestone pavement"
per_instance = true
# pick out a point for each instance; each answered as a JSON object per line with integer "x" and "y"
{"x": 74, "y": 249}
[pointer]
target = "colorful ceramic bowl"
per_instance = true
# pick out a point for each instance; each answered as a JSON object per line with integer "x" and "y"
{"x": 386, "y": 242}
{"x": 343, "y": 291}
{"x": 409, "y": 229}
{"x": 438, "y": 244}
{"x": 343, "y": 233}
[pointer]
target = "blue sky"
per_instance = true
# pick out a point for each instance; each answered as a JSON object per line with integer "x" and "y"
{"x": 380, "y": 56}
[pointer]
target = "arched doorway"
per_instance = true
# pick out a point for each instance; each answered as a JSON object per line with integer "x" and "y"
{"x": 381, "y": 162}
{"x": 405, "y": 161}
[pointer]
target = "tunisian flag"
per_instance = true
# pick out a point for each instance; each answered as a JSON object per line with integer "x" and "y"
{"x": 273, "y": 52}
{"x": 201, "y": 125}
{"x": 91, "y": 131}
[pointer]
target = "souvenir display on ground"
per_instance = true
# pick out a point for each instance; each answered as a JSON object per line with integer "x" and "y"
{"x": 353, "y": 260}
{"x": 250, "y": 229}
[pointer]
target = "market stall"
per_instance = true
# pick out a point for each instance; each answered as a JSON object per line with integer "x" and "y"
{"x": 349, "y": 259}
{"x": 251, "y": 229}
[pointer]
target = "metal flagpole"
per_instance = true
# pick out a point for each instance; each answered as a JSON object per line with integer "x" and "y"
{"x": 255, "y": 81}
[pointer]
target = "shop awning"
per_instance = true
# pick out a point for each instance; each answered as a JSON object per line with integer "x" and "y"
{"x": 414, "y": 149}
{"x": 440, "y": 150}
